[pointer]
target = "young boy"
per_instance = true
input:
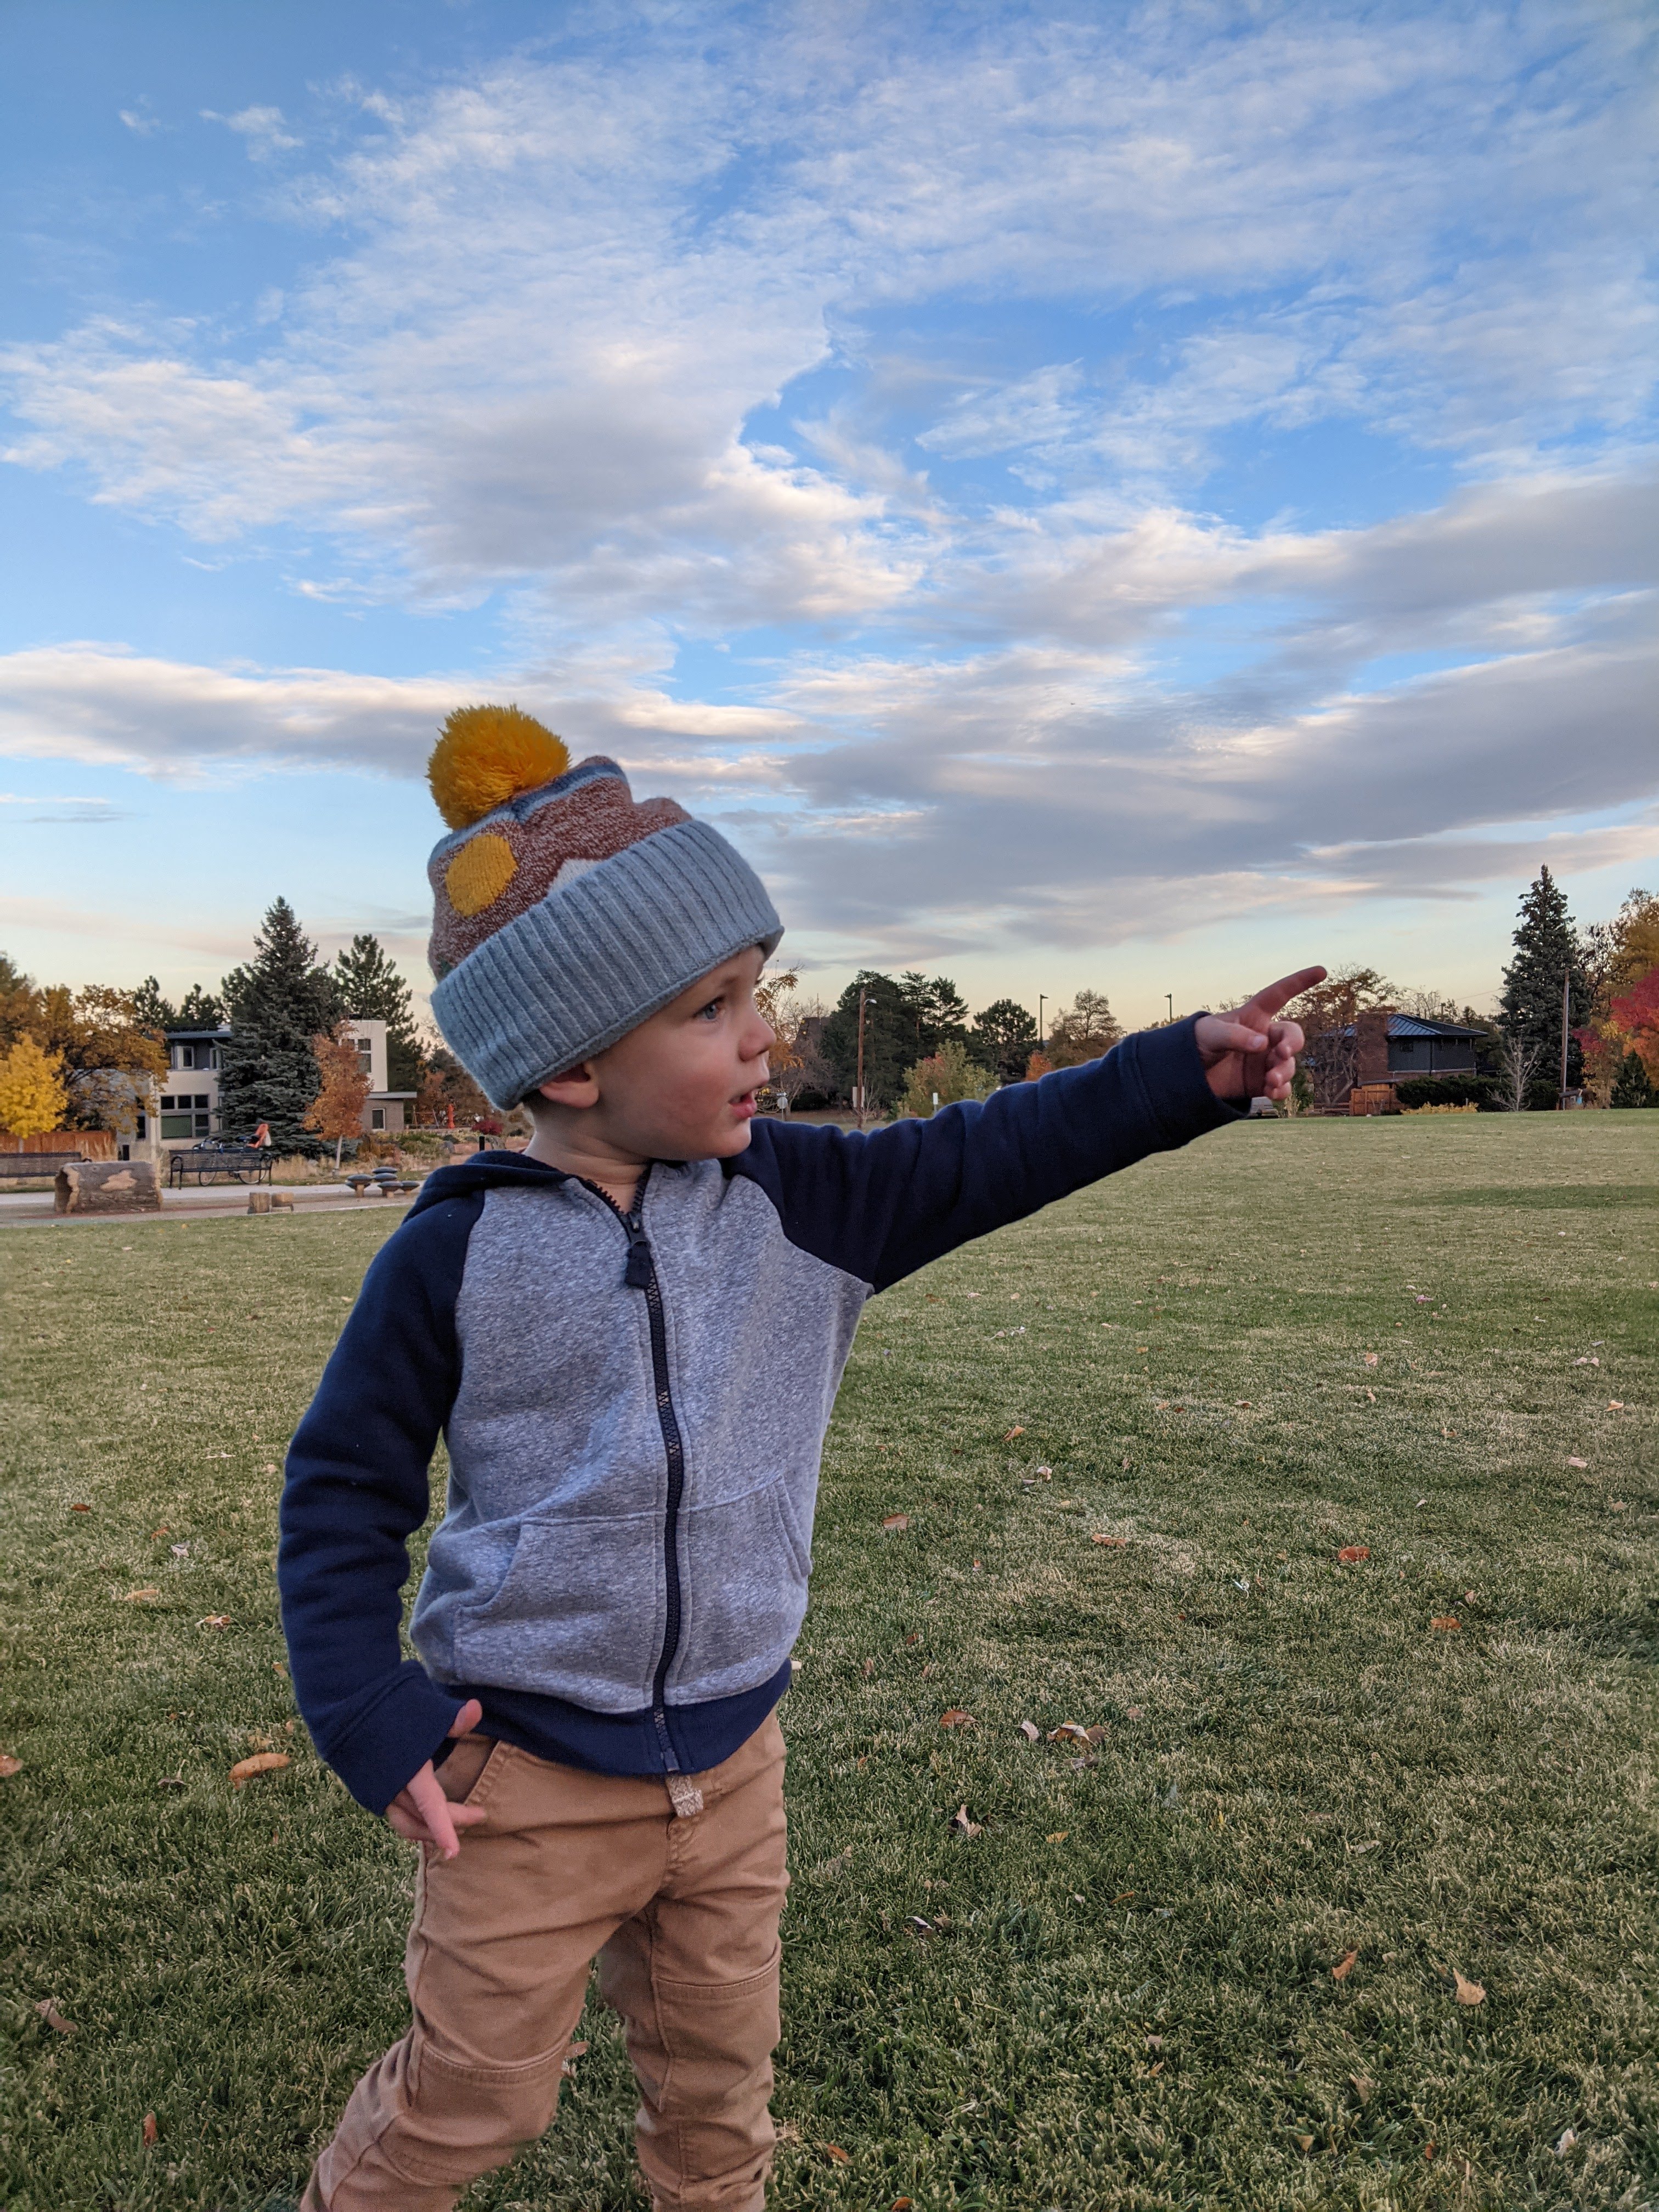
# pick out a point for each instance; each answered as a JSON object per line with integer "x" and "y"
{"x": 586, "y": 1749}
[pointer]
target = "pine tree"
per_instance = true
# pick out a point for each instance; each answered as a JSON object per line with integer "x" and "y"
{"x": 151, "y": 1011}
{"x": 278, "y": 1003}
{"x": 1547, "y": 949}
{"x": 374, "y": 990}
{"x": 200, "y": 1010}
{"x": 1002, "y": 1039}
{"x": 1632, "y": 1086}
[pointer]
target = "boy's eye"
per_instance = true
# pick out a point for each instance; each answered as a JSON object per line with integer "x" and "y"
{"x": 710, "y": 1012}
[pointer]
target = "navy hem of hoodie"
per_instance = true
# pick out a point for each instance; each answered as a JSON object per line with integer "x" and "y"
{"x": 549, "y": 1728}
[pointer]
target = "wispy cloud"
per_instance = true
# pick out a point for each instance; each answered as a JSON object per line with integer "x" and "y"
{"x": 262, "y": 128}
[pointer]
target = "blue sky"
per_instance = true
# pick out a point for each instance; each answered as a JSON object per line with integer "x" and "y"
{"x": 1121, "y": 497}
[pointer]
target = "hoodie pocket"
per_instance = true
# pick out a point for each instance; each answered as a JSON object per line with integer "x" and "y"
{"x": 579, "y": 1613}
{"x": 744, "y": 1592}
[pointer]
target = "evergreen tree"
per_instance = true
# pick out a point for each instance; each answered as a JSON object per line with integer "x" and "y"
{"x": 936, "y": 1009}
{"x": 890, "y": 1037}
{"x": 1547, "y": 949}
{"x": 200, "y": 1009}
{"x": 374, "y": 990}
{"x": 150, "y": 1010}
{"x": 278, "y": 1003}
{"x": 1632, "y": 1086}
{"x": 1002, "y": 1039}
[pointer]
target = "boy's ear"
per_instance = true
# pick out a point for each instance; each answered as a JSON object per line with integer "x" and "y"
{"x": 575, "y": 1086}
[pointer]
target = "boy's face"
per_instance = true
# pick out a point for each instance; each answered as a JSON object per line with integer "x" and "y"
{"x": 682, "y": 1085}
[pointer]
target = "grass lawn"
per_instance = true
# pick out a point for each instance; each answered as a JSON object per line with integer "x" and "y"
{"x": 1230, "y": 1364}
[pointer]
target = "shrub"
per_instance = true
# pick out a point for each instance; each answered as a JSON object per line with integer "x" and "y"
{"x": 1477, "y": 1091}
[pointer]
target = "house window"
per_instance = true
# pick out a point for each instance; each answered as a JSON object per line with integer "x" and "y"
{"x": 377, "y": 1117}
{"x": 187, "y": 1115}
{"x": 142, "y": 1130}
{"x": 213, "y": 1055}
{"x": 186, "y": 1055}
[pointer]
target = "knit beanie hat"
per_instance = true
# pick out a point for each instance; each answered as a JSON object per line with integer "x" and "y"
{"x": 567, "y": 911}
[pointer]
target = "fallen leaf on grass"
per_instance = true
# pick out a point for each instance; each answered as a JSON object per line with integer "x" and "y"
{"x": 1447, "y": 1621}
{"x": 156, "y": 1534}
{"x": 869, "y": 1667}
{"x": 1370, "y": 1359}
{"x": 47, "y": 2009}
{"x": 263, "y": 1762}
{"x": 1615, "y": 1405}
{"x": 214, "y": 1620}
{"x": 145, "y": 1596}
{"x": 150, "y": 2130}
{"x": 1011, "y": 1434}
{"x": 1029, "y": 1731}
{"x": 574, "y": 2052}
{"x": 1304, "y": 2142}
{"x": 1344, "y": 1966}
{"x": 899, "y": 2205}
{"x": 1069, "y": 1732}
{"x": 1467, "y": 1992}
{"x": 269, "y": 1467}
{"x": 1116, "y": 1543}
{"x": 896, "y": 1522}
{"x": 79, "y": 1509}
{"x": 170, "y": 1781}
{"x": 1565, "y": 2142}
{"x": 965, "y": 1828}
{"x": 957, "y": 1718}
{"x": 9, "y": 1766}
{"x": 1350, "y": 1553}
{"x": 1578, "y": 1462}
{"x": 1058, "y": 1837}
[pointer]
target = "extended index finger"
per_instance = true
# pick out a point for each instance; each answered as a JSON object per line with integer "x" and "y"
{"x": 1271, "y": 996}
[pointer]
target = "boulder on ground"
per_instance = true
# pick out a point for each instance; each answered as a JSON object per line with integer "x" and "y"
{"x": 107, "y": 1186}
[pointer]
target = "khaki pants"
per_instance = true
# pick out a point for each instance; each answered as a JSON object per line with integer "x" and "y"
{"x": 682, "y": 1913}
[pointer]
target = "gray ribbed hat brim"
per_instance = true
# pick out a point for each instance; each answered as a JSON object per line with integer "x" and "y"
{"x": 600, "y": 955}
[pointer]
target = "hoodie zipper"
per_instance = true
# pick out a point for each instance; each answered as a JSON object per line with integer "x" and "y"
{"x": 641, "y": 1274}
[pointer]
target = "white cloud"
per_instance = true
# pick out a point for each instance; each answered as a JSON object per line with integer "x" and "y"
{"x": 262, "y": 128}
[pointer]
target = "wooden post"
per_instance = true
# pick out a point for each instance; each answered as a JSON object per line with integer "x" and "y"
{"x": 1566, "y": 1011}
{"x": 858, "y": 1108}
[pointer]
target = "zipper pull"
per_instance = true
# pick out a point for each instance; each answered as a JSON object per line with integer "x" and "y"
{"x": 637, "y": 1274}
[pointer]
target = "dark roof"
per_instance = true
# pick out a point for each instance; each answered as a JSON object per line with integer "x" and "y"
{"x": 222, "y": 1030}
{"x": 1410, "y": 1025}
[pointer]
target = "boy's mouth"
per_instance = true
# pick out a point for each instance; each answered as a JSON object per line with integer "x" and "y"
{"x": 743, "y": 1105}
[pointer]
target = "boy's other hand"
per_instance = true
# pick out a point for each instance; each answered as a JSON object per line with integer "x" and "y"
{"x": 419, "y": 1810}
{"x": 1250, "y": 1054}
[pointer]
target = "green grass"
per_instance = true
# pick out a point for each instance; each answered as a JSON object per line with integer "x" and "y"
{"x": 1125, "y": 1999}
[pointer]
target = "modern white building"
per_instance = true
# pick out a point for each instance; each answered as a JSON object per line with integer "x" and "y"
{"x": 184, "y": 1109}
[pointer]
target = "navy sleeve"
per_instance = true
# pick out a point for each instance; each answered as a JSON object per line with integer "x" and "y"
{"x": 881, "y": 1205}
{"x": 357, "y": 1490}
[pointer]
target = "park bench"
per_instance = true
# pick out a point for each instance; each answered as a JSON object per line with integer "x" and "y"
{"x": 217, "y": 1162}
{"x": 37, "y": 1163}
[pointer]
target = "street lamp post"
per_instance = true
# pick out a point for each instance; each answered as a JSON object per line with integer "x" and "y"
{"x": 859, "y": 1107}
{"x": 1042, "y": 1000}
{"x": 1168, "y": 1000}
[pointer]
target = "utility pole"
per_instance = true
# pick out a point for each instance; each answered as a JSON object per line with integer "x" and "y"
{"x": 1168, "y": 1000}
{"x": 858, "y": 1100}
{"x": 1566, "y": 1009}
{"x": 1042, "y": 1000}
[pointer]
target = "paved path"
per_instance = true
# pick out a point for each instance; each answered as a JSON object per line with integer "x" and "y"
{"x": 31, "y": 1208}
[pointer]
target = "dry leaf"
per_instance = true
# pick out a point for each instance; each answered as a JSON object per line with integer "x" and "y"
{"x": 896, "y": 1522}
{"x": 263, "y": 1762}
{"x": 965, "y": 1828}
{"x": 1578, "y": 1462}
{"x": 1565, "y": 2142}
{"x": 1068, "y": 1731}
{"x": 79, "y": 1509}
{"x": 9, "y": 1766}
{"x": 1029, "y": 1731}
{"x": 869, "y": 1667}
{"x": 1058, "y": 1837}
{"x": 899, "y": 2205}
{"x": 1615, "y": 1405}
{"x": 151, "y": 2130}
{"x": 1350, "y": 1553}
{"x": 1117, "y": 1543}
{"x": 1446, "y": 1620}
{"x": 1344, "y": 1966}
{"x": 141, "y": 1596}
{"x": 1430, "y": 2148}
{"x": 957, "y": 1718}
{"x": 1467, "y": 1992}
{"x": 1011, "y": 1434}
{"x": 47, "y": 2009}
{"x": 1361, "y": 2086}
{"x": 1370, "y": 1359}
{"x": 1154, "y": 2042}
{"x": 1304, "y": 2142}
{"x": 156, "y": 1534}
{"x": 214, "y": 1620}
{"x": 835, "y": 2151}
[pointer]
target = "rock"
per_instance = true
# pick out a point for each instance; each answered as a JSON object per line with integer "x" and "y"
{"x": 108, "y": 1186}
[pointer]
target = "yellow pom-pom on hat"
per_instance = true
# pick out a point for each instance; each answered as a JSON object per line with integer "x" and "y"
{"x": 488, "y": 754}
